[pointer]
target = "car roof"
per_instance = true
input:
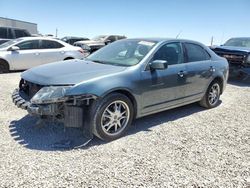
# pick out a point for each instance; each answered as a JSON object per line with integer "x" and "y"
{"x": 239, "y": 38}
{"x": 44, "y": 38}
{"x": 164, "y": 40}
{"x": 7, "y": 27}
{"x": 72, "y": 37}
{"x": 39, "y": 38}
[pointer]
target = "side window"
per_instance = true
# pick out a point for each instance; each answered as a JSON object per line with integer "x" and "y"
{"x": 112, "y": 38}
{"x": 28, "y": 45}
{"x": 48, "y": 44}
{"x": 121, "y": 37}
{"x": 172, "y": 53}
{"x": 19, "y": 33}
{"x": 3, "y": 33}
{"x": 196, "y": 53}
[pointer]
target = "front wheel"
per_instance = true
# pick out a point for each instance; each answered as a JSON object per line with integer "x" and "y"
{"x": 212, "y": 96}
{"x": 112, "y": 116}
{"x": 3, "y": 67}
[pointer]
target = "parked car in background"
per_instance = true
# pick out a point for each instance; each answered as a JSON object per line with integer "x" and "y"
{"x": 71, "y": 40}
{"x": 8, "y": 33}
{"x": 108, "y": 38}
{"x": 237, "y": 52}
{"x": 27, "y": 52}
{"x": 97, "y": 42}
{"x": 89, "y": 46}
{"x": 124, "y": 80}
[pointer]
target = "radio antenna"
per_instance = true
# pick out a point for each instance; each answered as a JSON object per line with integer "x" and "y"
{"x": 178, "y": 34}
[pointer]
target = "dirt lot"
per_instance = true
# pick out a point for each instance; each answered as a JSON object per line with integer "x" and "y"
{"x": 184, "y": 147}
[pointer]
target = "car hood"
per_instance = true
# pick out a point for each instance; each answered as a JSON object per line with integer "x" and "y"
{"x": 232, "y": 48}
{"x": 69, "y": 72}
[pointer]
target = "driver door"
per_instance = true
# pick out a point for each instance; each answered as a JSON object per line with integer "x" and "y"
{"x": 27, "y": 56}
{"x": 165, "y": 88}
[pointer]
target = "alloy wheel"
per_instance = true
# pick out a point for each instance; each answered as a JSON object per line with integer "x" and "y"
{"x": 214, "y": 93}
{"x": 115, "y": 118}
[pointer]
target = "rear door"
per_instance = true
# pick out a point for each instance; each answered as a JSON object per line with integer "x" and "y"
{"x": 165, "y": 88}
{"x": 199, "y": 69}
{"x": 51, "y": 51}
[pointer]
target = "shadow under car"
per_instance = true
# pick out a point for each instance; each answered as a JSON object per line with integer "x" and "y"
{"x": 53, "y": 136}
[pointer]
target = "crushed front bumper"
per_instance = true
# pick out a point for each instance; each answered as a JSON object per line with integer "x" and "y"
{"x": 70, "y": 115}
{"x": 19, "y": 100}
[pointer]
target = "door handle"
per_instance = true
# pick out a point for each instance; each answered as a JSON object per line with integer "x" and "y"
{"x": 212, "y": 69}
{"x": 37, "y": 53}
{"x": 182, "y": 74}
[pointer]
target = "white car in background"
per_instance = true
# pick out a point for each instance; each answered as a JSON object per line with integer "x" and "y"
{"x": 27, "y": 52}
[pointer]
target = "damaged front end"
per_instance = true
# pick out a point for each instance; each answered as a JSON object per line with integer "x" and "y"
{"x": 53, "y": 103}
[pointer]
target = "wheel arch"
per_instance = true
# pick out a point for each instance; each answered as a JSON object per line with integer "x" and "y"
{"x": 5, "y": 62}
{"x": 128, "y": 94}
{"x": 220, "y": 81}
{"x": 68, "y": 58}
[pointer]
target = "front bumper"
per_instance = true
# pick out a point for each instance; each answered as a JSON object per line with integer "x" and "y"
{"x": 69, "y": 114}
{"x": 20, "y": 100}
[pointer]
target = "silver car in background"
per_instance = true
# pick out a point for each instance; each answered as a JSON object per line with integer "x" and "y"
{"x": 28, "y": 52}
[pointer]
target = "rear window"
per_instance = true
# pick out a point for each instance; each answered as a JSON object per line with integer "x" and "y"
{"x": 196, "y": 53}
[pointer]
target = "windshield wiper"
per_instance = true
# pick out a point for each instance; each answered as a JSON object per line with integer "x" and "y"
{"x": 108, "y": 63}
{"x": 96, "y": 61}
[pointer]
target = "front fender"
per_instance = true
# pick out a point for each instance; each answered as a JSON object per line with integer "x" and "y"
{"x": 104, "y": 85}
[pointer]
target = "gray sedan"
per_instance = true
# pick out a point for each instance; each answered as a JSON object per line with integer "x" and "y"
{"x": 127, "y": 79}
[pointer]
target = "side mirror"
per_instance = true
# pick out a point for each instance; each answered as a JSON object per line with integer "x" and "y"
{"x": 158, "y": 65}
{"x": 13, "y": 48}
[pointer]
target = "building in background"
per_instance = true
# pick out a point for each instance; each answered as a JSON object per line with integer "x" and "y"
{"x": 7, "y": 22}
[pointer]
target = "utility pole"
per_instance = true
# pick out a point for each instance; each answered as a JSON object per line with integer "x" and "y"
{"x": 56, "y": 32}
{"x": 212, "y": 41}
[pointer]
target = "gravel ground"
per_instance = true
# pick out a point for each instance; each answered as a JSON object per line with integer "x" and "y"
{"x": 184, "y": 147}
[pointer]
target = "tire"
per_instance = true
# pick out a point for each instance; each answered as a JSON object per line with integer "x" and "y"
{"x": 111, "y": 116}
{"x": 4, "y": 68}
{"x": 212, "y": 97}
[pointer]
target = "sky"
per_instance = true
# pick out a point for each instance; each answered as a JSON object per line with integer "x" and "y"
{"x": 198, "y": 20}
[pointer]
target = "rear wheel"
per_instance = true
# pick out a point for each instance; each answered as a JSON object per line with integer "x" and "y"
{"x": 212, "y": 96}
{"x": 111, "y": 116}
{"x": 4, "y": 68}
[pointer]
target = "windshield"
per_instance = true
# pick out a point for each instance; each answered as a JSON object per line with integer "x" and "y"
{"x": 9, "y": 43}
{"x": 123, "y": 53}
{"x": 100, "y": 37}
{"x": 239, "y": 42}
